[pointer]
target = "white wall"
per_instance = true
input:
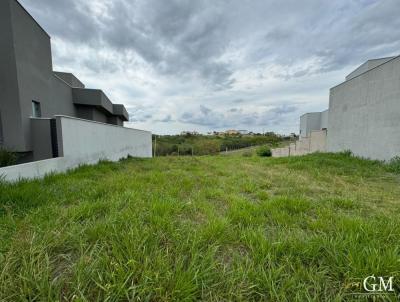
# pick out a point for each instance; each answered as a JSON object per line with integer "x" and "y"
{"x": 309, "y": 122}
{"x": 280, "y": 152}
{"x": 91, "y": 141}
{"x": 318, "y": 141}
{"x": 84, "y": 142}
{"x": 324, "y": 119}
{"x": 37, "y": 169}
{"x": 370, "y": 64}
{"x": 364, "y": 114}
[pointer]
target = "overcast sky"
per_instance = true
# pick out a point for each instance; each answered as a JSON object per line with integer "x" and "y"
{"x": 217, "y": 64}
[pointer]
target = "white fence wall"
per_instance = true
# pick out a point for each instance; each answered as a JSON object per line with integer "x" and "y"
{"x": 306, "y": 145}
{"x": 91, "y": 141}
{"x": 84, "y": 142}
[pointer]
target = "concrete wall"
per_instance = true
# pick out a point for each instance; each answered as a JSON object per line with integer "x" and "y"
{"x": 115, "y": 120}
{"x": 318, "y": 141}
{"x": 94, "y": 97}
{"x": 91, "y": 141}
{"x": 9, "y": 93}
{"x": 324, "y": 120}
{"x": 36, "y": 169}
{"x": 70, "y": 79}
{"x": 99, "y": 116}
{"x": 370, "y": 64}
{"x": 309, "y": 122}
{"x": 61, "y": 99}
{"x": 280, "y": 152}
{"x": 94, "y": 114}
{"x": 364, "y": 113}
{"x": 34, "y": 67}
{"x": 41, "y": 137}
{"x": 303, "y": 145}
{"x": 84, "y": 142}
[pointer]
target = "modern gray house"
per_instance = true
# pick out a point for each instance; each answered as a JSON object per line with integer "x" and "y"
{"x": 363, "y": 115}
{"x": 32, "y": 94}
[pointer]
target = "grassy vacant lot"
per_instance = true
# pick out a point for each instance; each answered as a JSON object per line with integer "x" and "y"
{"x": 202, "y": 228}
{"x": 211, "y": 144}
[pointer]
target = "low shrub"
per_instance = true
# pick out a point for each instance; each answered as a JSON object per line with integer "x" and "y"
{"x": 394, "y": 165}
{"x": 7, "y": 158}
{"x": 264, "y": 151}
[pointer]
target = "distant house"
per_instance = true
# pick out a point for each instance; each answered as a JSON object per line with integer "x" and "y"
{"x": 185, "y": 133}
{"x": 232, "y": 132}
{"x": 243, "y": 132}
{"x": 32, "y": 96}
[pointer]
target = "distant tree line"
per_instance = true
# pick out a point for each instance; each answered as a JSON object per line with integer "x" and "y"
{"x": 209, "y": 144}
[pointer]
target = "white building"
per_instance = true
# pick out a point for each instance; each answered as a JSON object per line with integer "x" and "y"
{"x": 363, "y": 115}
{"x": 364, "y": 111}
{"x": 313, "y": 121}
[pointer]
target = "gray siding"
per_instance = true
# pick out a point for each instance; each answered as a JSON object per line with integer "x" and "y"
{"x": 9, "y": 94}
{"x": 41, "y": 139}
{"x": 70, "y": 79}
{"x": 61, "y": 99}
{"x": 115, "y": 120}
{"x": 34, "y": 66}
{"x": 99, "y": 116}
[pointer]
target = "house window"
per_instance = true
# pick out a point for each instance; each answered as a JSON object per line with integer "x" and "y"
{"x": 36, "y": 112}
{"x": 1, "y": 131}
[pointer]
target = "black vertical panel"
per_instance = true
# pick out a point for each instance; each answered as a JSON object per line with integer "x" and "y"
{"x": 54, "y": 143}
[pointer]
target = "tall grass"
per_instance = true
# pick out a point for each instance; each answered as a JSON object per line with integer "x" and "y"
{"x": 217, "y": 228}
{"x": 394, "y": 165}
{"x": 7, "y": 158}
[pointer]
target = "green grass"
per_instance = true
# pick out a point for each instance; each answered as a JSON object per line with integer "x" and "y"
{"x": 210, "y": 144}
{"x": 230, "y": 228}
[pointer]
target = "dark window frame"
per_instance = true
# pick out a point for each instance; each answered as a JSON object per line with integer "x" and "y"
{"x": 36, "y": 109}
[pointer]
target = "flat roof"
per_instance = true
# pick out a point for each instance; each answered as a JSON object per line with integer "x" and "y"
{"x": 380, "y": 65}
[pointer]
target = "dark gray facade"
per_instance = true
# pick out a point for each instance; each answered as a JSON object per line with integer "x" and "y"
{"x": 30, "y": 89}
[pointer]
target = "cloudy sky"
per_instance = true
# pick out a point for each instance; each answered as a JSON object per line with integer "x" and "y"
{"x": 217, "y": 64}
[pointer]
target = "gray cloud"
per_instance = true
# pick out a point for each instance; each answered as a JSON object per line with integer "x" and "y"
{"x": 236, "y": 117}
{"x": 165, "y": 119}
{"x": 139, "y": 114}
{"x": 184, "y": 36}
{"x": 222, "y": 54}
